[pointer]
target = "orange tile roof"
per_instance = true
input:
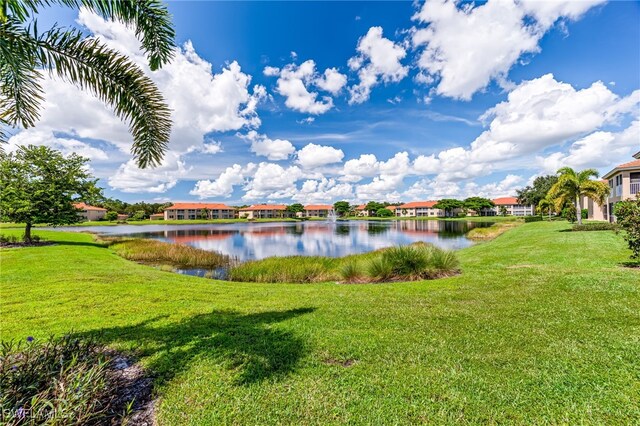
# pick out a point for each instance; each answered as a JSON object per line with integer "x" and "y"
{"x": 265, "y": 207}
{"x": 84, "y": 206}
{"x": 199, "y": 206}
{"x": 392, "y": 208}
{"x": 361, "y": 207}
{"x": 629, "y": 165}
{"x": 418, "y": 204}
{"x": 505, "y": 201}
{"x": 635, "y": 163}
{"x": 318, "y": 207}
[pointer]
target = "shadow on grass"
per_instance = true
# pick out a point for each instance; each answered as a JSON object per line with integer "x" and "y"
{"x": 248, "y": 344}
{"x": 77, "y": 243}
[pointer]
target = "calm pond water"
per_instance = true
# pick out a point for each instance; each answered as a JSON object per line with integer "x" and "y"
{"x": 250, "y": 241}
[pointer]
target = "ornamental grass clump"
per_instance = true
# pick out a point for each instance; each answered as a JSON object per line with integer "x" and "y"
{"x": 160, "y": 253}
{"x": 58, "y": 381}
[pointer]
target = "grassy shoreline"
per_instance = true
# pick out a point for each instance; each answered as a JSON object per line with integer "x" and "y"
{"x": 542, "y": 326}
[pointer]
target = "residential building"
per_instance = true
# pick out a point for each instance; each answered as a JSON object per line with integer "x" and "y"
{"x": 419, "y": 209}
{"x": 264, "y": 211}
{"x": 156, "y": 216}
{"x": 514, "y": 208}
{"x": 624, "y": 184}
{"x": 361, "y": 210}
{"x": 191, "y": 211}
{"x": 88, "y": 212}
{"x": 316, "y": 210}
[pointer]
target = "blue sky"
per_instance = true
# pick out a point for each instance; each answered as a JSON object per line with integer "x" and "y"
{"x": 423, "y": 101}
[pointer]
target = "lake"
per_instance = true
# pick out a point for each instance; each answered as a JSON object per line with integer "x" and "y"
{"x": 250, "y": 241}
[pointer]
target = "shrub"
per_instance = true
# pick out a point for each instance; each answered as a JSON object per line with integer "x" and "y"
{"x": 528, "y": 219}
{"x": 584, "y": 213}
{"x": 599, "y": 226}
{"x": 443, "y": 263}
{"x": 111, "y": 216}
{"x": 628, "y": 216}
{"x": 569, "y": 213}
{"x": 351, "y": 271}
{"x": 384, "y": 212}
{"x": 407, "y": 261}
{"x": 379, "y": 269}
{"x": 8, "y": 239}
{"x": 59, "y": 381}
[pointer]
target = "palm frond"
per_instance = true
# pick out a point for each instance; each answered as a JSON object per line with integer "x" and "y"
{"x": 585, "y": 174}
{"x": 117, "y": 81}
{"x": 20, "y": 89}
{"x": 596, "y": 190}
{"x": 149, "y": 18}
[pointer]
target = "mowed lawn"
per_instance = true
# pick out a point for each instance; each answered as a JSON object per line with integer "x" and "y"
{"x": 543, "y": 327}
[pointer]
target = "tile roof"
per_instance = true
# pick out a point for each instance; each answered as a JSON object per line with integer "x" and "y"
{"x": 318, "y": 207}
{"x": 629, "y": 165}
{"x": 418, "y": 204}
{"x": 265, "y": 207}
{"x": 361, "y": 207}
{"x": 84, "y": 206}
{"x": 505, "y": 201}
{"x": 199, "y": 206}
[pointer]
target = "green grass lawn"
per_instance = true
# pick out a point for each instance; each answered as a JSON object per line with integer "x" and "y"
{"x": 543, "y": 326}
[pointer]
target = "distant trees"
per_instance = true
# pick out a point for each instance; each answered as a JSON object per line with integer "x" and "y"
{"x": 40, "y": 185}
{"x": 373, "y": 207}
{"x": 342, "y": 208}
{"x": 628, "y": 217}
{"x": 384, "y": 212}
{"x": 111, "y": 216}
{"x": 449, "y": 205}
{"x": 123, "y": 207}
{"x": 572, "y": 186}
{"x": 295, "y": 208}
{"x": 533, "y": 194}
{"x": 478, "y": 204}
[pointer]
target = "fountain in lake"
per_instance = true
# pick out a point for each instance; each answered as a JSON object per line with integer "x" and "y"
{"x": 332, "y": 217}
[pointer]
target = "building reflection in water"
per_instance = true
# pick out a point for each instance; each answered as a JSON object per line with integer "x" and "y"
{"x": 248, "y": 241}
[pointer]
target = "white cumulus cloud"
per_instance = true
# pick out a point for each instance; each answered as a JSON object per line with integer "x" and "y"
{"x": 378, "y": 59}
{"x": 313, "y": 155}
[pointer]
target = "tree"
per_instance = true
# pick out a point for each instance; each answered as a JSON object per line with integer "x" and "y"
{"x": 89, "y": 64}
{"x": 546, "y": 205}
{"x": 40, "y": 185}
{"x": 628, "y": 216}
{"x": 503, "y": 210}
{"x": 384, "y": 212}
{"x": 295, "y": 208}
{"x": 139, "y": 215}
{"x": 373, "y": 206}
{"x": 204, "y": 213}
{"x": 572, "y": 186}
{"x": 342, "y": 208}
{"x": 449, "y": 205}
{"x": 478, "y": 204}
{"x": 111, "y": 216}
{"x": 534, "y": 194}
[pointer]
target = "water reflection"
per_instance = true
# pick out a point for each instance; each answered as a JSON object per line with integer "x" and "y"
{"x": 248, "y": 241}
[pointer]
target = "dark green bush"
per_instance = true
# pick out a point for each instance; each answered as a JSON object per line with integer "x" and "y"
{"x": 58, "y": 381}
{"x": 528, "y": 219}
{"x": 585, "y": 213}
{"x": 599, "y": 226}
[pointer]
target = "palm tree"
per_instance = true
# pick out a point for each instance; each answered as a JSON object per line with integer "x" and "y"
{"x": 546, "y": 205}
{"x": 25, "y": 53}
{"x": 572, "y": 186}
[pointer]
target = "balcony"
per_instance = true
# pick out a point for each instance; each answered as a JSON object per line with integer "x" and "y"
{"x": 635, "y": 188}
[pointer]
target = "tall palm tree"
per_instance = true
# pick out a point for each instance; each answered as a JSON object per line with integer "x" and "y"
{"x": 572, "y": 186}
{"x": 25, "y": 53}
